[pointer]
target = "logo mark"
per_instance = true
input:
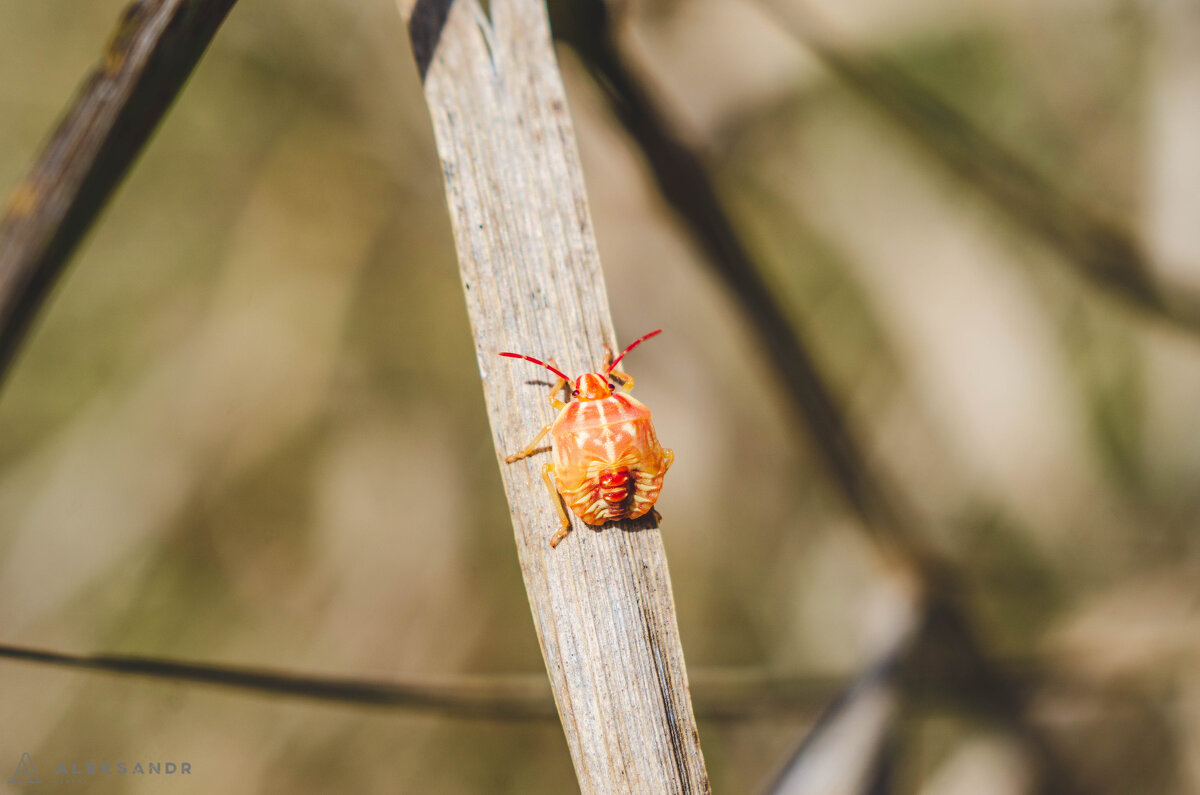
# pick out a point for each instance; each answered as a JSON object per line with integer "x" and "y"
{"x": 25, "y": 772}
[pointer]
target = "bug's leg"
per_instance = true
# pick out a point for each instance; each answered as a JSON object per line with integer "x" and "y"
{"x": 625, "y": 378}
{"x": 554, "y": 401}
{"x": 548, "y": 476}
{"x": 558, "y": 405}
{"x": 657, "y": 516}
{"x": 529, "y": 448}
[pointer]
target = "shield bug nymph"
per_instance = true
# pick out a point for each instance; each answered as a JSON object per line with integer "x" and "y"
{"x": 607, "y": 462}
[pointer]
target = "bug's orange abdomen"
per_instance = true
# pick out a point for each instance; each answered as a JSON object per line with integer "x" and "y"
{"x": 608, "y": 463}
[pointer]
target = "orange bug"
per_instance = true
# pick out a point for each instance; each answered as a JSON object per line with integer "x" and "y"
{"x": 608, "y": 463}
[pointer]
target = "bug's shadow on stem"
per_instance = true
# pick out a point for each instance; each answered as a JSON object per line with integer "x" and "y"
{"x": 642, "y": 523}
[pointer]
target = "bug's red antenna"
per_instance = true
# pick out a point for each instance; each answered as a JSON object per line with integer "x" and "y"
{"x": 632, "y": 345}
{"x": 554, "y": 370}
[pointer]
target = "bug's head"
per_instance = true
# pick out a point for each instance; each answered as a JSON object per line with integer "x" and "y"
{"x": 589, "y": 386}
{"x": 592, "y": 386}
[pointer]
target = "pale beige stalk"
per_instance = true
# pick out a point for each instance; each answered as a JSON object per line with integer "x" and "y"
{"x": 601, "y": 601}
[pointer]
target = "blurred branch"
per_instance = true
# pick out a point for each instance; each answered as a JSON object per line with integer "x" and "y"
{"x": 851, "y": 734}
{"x": 720, "y": 695}
{"x": 683, "y": 180}
{"x": 1103, "y": 251}
{"x": 601, "y": 602}
{"x": 525, "y": 698}
{"x": 153, "y": 51}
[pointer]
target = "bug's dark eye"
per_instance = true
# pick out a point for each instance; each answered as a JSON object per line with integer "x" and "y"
{"x": 575, "y": 393}
{"x": 612, "y": 387}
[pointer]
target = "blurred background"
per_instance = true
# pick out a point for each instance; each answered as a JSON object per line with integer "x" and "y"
{"x": 248, "y": 428}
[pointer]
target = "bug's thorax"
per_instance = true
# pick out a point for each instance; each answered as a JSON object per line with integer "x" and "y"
{"x": 593, "y": 435}
{"x": 595, "y": 405}
{"x": 599, "y": 413}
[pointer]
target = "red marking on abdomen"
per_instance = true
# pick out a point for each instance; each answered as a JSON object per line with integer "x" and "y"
{"x": 614, "y": 485}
